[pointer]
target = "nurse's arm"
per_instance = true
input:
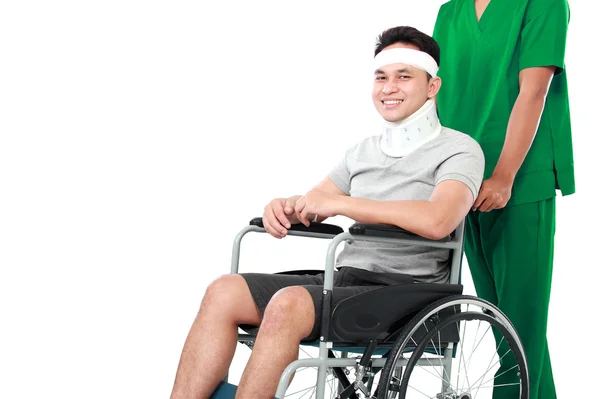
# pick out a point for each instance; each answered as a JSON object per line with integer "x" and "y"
{"x": 434, "y": 218}
{"x": 524, "y": 121}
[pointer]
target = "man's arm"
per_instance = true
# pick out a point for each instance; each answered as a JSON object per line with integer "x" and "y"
{"x": 328, "y": 186}
{"x": 522, "y": 126}
{"x": 435, "y": 218}
{"x": 524, "y": 119}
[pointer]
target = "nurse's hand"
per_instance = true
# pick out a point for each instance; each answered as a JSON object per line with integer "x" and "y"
{"x": 495, "y": 193}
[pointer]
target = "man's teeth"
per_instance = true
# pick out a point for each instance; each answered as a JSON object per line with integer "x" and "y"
{"x": 392, "y": 102}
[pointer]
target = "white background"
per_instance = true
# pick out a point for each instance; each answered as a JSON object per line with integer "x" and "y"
{"x": 138, "y": 137}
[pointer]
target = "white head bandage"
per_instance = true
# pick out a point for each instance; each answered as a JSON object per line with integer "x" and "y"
{"x": 408, "y": 56}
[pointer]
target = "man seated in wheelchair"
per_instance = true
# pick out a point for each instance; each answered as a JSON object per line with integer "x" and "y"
{"x": 414, "y": 174}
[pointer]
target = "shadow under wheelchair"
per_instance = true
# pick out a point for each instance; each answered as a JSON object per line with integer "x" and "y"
{"x": 404, "y": 341}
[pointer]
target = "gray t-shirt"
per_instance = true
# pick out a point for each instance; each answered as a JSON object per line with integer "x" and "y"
{"x": 367, "y": 172}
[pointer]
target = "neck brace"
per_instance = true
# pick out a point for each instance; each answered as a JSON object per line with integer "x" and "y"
{"x": 401, "y": 138}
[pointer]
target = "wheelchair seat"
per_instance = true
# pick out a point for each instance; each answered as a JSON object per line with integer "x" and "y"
{"x": 380, "y": 313}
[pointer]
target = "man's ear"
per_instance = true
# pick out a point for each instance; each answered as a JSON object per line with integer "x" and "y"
{"x": 434, "y": 86}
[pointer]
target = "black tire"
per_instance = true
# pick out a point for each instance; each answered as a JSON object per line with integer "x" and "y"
{"x": 489, "y": 316}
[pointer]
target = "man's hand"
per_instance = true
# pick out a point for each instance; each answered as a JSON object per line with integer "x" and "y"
{"x": 495, "y": 193}
{"x": 317, "y": 203}
{"x": 279, "y": 215}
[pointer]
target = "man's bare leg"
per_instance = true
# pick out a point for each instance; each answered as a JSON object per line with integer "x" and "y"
{"x": 211, "y": 342}
{"x": 289, "y": 317}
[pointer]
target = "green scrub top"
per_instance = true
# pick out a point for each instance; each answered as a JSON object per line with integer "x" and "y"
{"x": 479, "y": 67}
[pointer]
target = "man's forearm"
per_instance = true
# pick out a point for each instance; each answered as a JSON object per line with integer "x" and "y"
{"x": 420, "y": 217}
{"x": 521, "y": 130}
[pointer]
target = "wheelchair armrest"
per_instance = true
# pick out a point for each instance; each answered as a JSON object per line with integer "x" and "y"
{"x": 315, "y": 230}
{"x": 321, "y": 228}
{"x": 388, "y": 231}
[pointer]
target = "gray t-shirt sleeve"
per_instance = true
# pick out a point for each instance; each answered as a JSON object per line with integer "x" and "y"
{"x": 340, "y": 174}
{"x": 464, "y": 162}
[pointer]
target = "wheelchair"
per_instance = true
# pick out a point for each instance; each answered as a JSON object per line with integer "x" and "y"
{"x": 417, "y": 340}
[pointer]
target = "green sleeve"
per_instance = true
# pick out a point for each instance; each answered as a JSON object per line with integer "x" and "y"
{"x": 544, "y": 36}
{"x": 441, "y": 18}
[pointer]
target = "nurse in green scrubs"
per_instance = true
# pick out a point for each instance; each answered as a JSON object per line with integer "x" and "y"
{"x": 505, "y": 84}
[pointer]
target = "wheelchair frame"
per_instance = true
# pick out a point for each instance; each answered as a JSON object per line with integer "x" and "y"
{"x": 357, "y": 232}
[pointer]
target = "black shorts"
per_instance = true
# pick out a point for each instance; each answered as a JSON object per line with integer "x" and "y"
{"x": 347, "y": 282}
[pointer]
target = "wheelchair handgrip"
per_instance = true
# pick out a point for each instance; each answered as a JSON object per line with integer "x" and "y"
{"x": 322, "y": 228}
{"x": 386, "y": 230}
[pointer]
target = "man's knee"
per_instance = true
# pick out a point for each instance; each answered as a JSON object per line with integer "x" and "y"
{"x": 223, "y": 285}
{"x": 290, "y": 307}
{"x": 228, "y": 293}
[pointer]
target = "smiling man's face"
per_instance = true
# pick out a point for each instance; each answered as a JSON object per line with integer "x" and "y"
{"x": 399, "y": 90}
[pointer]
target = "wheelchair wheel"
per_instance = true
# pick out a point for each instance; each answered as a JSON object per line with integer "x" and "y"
{"x": 460, "y": 347}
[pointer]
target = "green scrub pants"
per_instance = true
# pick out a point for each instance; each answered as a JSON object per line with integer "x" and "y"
{"x": 510, "y": 253}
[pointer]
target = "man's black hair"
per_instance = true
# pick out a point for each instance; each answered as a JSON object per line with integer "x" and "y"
{"x": 408, "y": 35}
